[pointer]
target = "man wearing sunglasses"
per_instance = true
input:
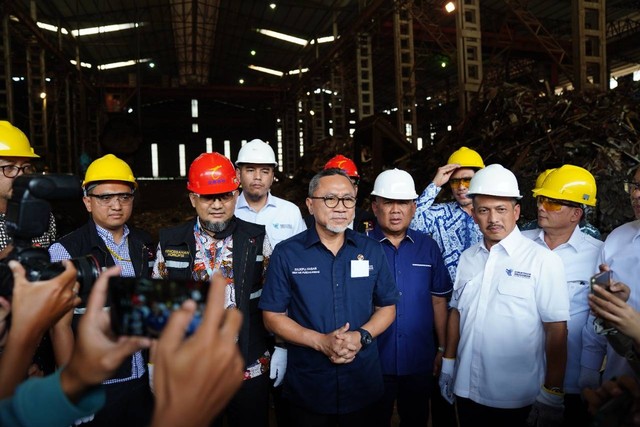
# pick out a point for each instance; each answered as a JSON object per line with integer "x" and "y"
{"x": 217, "y": 240}
{"x": 16, "y": 156}
{"x": 109, "y": 189}
{"x": 562, "y": 197}
{"x": 454, "y": 230}
{"x": 450, "y": 224}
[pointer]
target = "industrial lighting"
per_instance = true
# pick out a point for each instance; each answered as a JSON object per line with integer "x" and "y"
{"x": 613, "y": 83}
{"x": 253, "y": 53}
{"x": 43, "y": 95}
{"x": 266, "y": 70}
{"x": 121, "y": 64}
{"x": 272, "y": 6}
{"x": 130, "y": 110}
{"x": 450, "y": 7}
{"x": 91, "y": 30}
{"x": 82, "y": 64}
{"x": 298, "y": 71}
{"x": 326, "y": 39}
{"x": 281, "y": 36}
{"x": 241, "y": 81}
{"x": 152, "y": 64}
{"x": 443, "y": 64}
{"x": 105, "y": 29}
{"x": 636, "y": 76}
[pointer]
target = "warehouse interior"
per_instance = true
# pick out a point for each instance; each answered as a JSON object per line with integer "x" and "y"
{"x": 389, "y": 82}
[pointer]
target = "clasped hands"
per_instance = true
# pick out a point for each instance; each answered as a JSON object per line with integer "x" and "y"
{"x": 341, "y": 345}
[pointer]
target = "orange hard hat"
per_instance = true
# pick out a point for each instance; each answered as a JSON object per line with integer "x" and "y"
{"x": 344, "y": 163}
{"x": 212, "y": 173}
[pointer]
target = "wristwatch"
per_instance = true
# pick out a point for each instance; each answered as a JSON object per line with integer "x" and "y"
{"x": 365, "y": 337}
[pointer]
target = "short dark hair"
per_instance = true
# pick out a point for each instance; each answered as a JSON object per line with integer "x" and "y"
{"x": 315, "y": 181}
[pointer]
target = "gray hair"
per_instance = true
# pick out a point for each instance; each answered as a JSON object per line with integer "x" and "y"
{"x": 315, "y": 181}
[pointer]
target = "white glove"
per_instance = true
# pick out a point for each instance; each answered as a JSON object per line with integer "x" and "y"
{"x": 150, "y": 370}
{"x": 547, "y": 410}
{"x": 447, "y": 378}
{"x": 278, "y": 365}
{"x": 589, "y": 378}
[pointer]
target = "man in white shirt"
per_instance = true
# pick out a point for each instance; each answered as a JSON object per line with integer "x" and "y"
{"x": 255, "y": 169}
{"x": 507, "y": 329}
{"x": 562, "y": 197}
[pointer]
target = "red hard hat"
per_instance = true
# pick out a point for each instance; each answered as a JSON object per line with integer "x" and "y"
{"x": 344, "y": 163}
{"x": 212, "y": 173}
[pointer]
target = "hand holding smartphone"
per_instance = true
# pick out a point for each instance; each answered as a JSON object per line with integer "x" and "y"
{"x": 142, "y": 306}
{"x": 601, "y": 279}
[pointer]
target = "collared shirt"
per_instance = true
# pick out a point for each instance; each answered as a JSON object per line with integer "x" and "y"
{"x": 503, "y": 296}
{"x": 621, "y": 251}
{"x": 579, "y": 254}
{"x": 407, "y": 346}
{"x": 120, "y": 254}
{"x": 453, "y": 229}
{"x": 119, "y": 251}
{"x": 217, "y": 255}
{"x": 281, "y": 218}
{"x": 43, "y": 241}
{"x": 323, "y": 292}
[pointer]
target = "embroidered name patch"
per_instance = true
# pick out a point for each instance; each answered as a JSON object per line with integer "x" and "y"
{"x": 306, "y": 270}
{"x": 282, "y": 226}
{"x": 515, "y": 273}
{"x": 176, "y": 253}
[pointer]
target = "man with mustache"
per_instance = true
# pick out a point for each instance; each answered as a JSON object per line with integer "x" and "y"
{"x": 329, "y": 293}
{"x": 410, "y": 359}
{"x": 216, "y": 240}
{"x": 255, "y": 169}
{"x": 506, "y": 346}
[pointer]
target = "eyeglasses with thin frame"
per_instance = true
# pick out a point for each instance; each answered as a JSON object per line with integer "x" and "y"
{"x": 331, "y": 202}
{"x": 458, "y": 182}
{"x": 208, "y": 198}
{"x": 108, "y": 198}
{"x": 631, "y": 186}
{"x": 11, "y": 171}
{"x": 553, "y": 205}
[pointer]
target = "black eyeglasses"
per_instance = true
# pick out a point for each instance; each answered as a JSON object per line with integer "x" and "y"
{"x": 629, "y": 186}
{"x": 332, "y": 201}
{"x": 223, "y": 197}
{"x": 108, "y": 199}
{"x": 11, "y": 171}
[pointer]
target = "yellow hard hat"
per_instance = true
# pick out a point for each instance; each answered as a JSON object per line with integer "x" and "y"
{"x": 540, "y": 179}
{"x": 570, "y": 183}
{"x": 109, "y": 168}
{"x": 13, "y": 142}
{"x": 466, "y": 158}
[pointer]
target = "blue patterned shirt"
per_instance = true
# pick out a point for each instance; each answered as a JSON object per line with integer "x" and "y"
{"x": 453, "y": 229}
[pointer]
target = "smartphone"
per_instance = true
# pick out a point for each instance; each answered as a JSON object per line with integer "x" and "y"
{"x": 142, "y": 306}
{"x": 601, "y": 279}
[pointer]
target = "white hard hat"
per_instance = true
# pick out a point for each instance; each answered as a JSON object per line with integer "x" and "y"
{"x": 257, "y": 151}
{"x": 494, "y": 180}
{"x": 395, "y": 184}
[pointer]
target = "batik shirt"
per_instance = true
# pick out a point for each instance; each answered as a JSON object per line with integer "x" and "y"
{"x": 453, "y": 229}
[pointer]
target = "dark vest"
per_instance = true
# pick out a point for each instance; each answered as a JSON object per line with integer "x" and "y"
{"x": 86, "y": 241}
{"x": 178, "y": 249}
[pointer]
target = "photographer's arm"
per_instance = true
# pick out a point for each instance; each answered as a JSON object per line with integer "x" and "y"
{"x": 35, "y": 306}
{"x": 62, "y": 339}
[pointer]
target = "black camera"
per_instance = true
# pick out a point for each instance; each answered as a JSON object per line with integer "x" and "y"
{"x": 27, "y": 216}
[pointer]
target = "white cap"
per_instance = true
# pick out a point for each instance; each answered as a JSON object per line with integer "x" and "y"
{"x": 257, "y": 151}
{"x": 395, "y": 184}
{"x": 494, "y": 180}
